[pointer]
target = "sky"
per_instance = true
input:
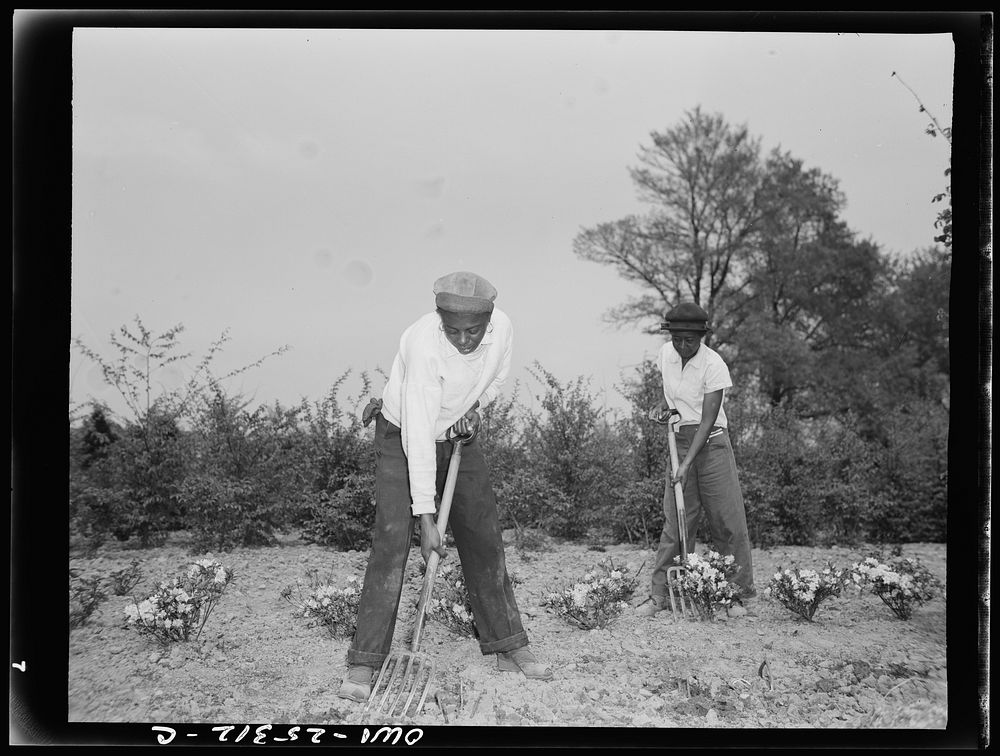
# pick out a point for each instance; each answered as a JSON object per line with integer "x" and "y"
{"x": 303, "y": 188}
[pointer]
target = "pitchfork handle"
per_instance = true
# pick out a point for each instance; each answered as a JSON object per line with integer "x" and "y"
{"x": 671, "y": 418}
{"x": 441, "y": 524}
{"x": 678, "y": 492}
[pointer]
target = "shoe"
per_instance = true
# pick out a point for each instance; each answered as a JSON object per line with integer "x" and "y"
{"x": 651, "y": 606}
{"x": 521, "y": 659}
{"x": 357, "y": 686}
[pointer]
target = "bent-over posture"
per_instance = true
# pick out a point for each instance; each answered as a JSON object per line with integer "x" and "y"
{"x": 450, "y": 362}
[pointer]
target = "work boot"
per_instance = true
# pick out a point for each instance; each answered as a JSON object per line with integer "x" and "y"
{"x": 357, "y": 686}
{"x": 651, "y": 606}
{"x": 522, "y": 659}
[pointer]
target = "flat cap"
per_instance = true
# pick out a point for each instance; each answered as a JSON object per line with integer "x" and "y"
{"x": 464, "y": 292}
{"x": 687, "y": 316}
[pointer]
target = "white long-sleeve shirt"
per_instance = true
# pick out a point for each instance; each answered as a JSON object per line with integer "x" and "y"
{"x": 432, "y": 385}
{"x": 685, "y": 386}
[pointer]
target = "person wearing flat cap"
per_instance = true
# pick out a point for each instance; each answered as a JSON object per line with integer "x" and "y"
{"x": 450, "y": 362}
{"x": 695, "y": 379}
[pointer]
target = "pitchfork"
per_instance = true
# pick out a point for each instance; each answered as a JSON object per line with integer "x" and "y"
{"x": 405, "y": 676}
{"x": 679, "y": 603}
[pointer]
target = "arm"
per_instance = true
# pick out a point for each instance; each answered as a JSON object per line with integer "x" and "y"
{"x": 503, "y": 370}
{"x": 471, "y": 421}
{"x": 709, "y": 412}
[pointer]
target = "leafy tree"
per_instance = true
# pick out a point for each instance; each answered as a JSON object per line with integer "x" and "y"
{"x": 703, "y": 179}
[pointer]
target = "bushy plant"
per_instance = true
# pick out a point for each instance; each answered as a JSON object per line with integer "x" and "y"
{"x": 802, "y": 590}
{"x": 638, "y": 512}
{"x": 706, "y": 581}
{"x": 597, "y": 598}
{"x": 181, "y": 605}
{"x": 912, "y": 485}
{"x": 449, "y": 603}
{"x": 902, "y": 583}
{"x": 334, "y": 451}
{"x": 134, "y": 491}
{"x": 526, "y": 500}
{"x": 85, "y": 595}
{"x": 124, "y": 580}
{"x": 342, "y": 517}
{"x": 574, "y": 448}
{"x": 326, "y": 605}
{"x": 237, "y": 492}
{"x": 501, "y": 435}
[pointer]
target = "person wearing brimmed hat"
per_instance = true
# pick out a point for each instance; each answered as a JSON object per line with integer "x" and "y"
{"x": 450, "y": 362}
{"x": 695, "y": 379}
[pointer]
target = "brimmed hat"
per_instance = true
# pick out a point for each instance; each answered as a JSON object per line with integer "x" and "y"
{"x": 464, "y": 292}
{"x": 686, "y": 316}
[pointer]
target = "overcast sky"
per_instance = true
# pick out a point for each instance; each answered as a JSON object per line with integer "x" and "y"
{"x": 306, "y": 187}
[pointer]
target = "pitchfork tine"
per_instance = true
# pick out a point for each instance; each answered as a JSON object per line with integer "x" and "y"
{"x": 407, "y": 680}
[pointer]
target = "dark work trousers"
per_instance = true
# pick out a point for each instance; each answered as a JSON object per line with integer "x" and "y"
{"x": 475, "y": 526}
{"x": 713, "y": 490}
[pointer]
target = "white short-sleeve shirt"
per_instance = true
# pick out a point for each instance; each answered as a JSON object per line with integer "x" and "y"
{"x": 685, "y": 388}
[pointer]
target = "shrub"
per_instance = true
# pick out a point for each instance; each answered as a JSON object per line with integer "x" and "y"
{"x": 223, "y": 513}
{"x": 85, "y": 595}
{"x": 637, "y": 515}
{"x": 240, "y": 482}
{"x": 527, "y": 500}
{"x": 123, "y": 581}
{"x": 902, "y": 583}
{"x": 706, "y": 581}
{"x": 344, "y": 517}
{"x": 449, "y": 603}
{"x": 597, "y": 598}
{"x": 325, "y": 605}
{"x": 912, "y": 481}
{"x": 803, "y": 590}
{"x": 142, "y": 459}
{"x": 576, "y": 451}
{"x": 180, "y": 605}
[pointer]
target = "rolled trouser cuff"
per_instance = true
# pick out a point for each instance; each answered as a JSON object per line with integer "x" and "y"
{"x": 504, "y": 645}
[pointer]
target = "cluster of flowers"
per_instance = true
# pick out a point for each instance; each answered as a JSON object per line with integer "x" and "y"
{"x": 903, "y": 583}
{"x": 180, "y": 605}
{"x": 449, "y": 604}
{"x": 600, "y": 596}
{"x": 706, "y": 581}
{"x": 803, "y": 590}
{"x": 326, "y": 605}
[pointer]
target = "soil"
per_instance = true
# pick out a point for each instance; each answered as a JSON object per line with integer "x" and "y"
{"x": 856, "y": 665}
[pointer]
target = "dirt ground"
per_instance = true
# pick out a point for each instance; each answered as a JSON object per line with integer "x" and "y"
{"x": 855, "y": 666}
